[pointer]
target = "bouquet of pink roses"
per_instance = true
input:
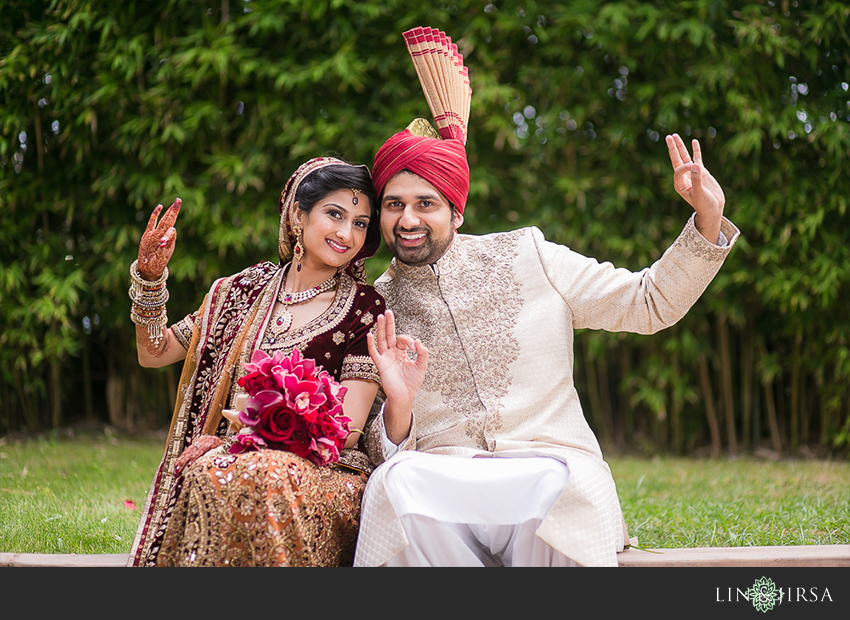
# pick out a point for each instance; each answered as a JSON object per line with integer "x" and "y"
{"x": 292, "y": 405}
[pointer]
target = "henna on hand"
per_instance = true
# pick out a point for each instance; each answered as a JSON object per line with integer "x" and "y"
{"x": 199, "y": 447}
{"x": 157, "y": 243}
{"x": 154, "y": 349}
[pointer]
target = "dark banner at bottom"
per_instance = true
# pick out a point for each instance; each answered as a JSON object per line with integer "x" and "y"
{"x": 438, "y": 593}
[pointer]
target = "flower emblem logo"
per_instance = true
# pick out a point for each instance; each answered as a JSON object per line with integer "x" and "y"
{"x": 764, "y": 594}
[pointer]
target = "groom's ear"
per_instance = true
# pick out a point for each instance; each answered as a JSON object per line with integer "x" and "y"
{"x": 457, "y": 218}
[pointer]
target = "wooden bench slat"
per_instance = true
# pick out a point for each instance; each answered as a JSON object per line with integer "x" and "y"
{"x": 805, "y": 555}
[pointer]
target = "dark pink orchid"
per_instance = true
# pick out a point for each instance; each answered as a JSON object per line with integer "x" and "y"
{"x": 293, "y": 405}
{"x": 303, "y": 396}
{"x": 246, "y": 442}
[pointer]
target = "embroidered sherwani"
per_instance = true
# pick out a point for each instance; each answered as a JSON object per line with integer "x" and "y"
{"x": 497, "y": 313}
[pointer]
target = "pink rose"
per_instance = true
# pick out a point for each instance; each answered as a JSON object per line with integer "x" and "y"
{"x": 257, "y": 382}
{"x": 277, "y": 423}
{"x": 299, "y": 442}
{"x": 293, "y": 405}
{"x": 254, "y": 405}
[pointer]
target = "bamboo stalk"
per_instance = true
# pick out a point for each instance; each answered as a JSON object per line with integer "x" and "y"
{"x": 87, "y": 380}
{"x": 626, "y": 428}
{"x": 726, "y": 380}
{"x": 795, "y": 394}
{"x": 7, "y": 409}
{"x": 805, "y": 418}
{"x": 825, "y": 414}
{"x": 39, "y": 141}
{"x": 28, "y": 408}
{"x": 114, "y": 386}
{"x": 592, "y": 387}
{"x": 132, "y": 402}
{"x": 676, "y": 432}
{"x": 55, "y": 394}
{"x": 747, "y": 373}
{"x": 605, "y": 399}
{"x": 770, "y": 405}
{"x": 713, "y": 426}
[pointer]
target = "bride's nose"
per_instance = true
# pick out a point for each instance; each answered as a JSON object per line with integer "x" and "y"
{"x": 344, "y": 232}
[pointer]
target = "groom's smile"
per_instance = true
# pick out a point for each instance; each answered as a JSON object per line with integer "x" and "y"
{"x": 417, "y": 221}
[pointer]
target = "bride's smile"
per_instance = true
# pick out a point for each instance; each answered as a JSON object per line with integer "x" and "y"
{"x": 334, "y": 229}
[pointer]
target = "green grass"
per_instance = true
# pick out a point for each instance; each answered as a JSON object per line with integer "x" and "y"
{"x": 66, "y": 495}
{"x": 674, "y": 502}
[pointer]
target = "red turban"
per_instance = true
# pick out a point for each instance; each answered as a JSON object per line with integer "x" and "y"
{"x": 440, "y": 162}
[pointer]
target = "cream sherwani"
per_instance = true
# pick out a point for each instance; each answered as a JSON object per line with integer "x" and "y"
{"x": 497, "y": 313}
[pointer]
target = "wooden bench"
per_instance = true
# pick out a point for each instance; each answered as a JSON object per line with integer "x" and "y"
{"x": 807, "y": 555}
{"x": 804, "y": 555}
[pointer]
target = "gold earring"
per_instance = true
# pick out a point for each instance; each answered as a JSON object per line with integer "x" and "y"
{"x": 298, "y": 250}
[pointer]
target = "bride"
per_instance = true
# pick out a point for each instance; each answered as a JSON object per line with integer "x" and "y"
{"x": 207, "y": 507}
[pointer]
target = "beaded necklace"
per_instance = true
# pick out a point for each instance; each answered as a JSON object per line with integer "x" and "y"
{"x": 282, "y": 321}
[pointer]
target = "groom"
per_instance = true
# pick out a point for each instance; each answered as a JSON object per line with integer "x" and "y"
{"x": 491, "y": 462}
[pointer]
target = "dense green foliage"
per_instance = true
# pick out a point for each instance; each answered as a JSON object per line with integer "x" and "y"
{"x": 112, "y": 108}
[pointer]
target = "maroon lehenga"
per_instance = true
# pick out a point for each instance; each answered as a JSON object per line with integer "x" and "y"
{"x": 265, "y": 508}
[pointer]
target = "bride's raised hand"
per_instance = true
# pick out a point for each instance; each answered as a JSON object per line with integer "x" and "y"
{"x": 157, "y": 243}
{"x": 401, "y": 376}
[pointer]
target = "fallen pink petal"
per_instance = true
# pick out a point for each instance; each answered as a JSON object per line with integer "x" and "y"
{"x": 128, "y": 503}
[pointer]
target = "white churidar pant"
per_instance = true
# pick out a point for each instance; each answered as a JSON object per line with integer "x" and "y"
{"x": 471, "y": 511}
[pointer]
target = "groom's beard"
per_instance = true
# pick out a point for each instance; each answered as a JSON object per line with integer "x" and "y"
{"x": 427, "y": 252}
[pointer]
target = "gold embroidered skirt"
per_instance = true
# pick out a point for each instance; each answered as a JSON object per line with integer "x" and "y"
{"x": 264, "y": 508}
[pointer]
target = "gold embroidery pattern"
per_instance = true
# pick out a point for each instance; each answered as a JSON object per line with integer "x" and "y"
{"x": 475, "y": 296}
{"x": 355, "y": 459}
{"x": 224, "y": 307}
{"x": 297, "y": 338}
{"x": 183, "y": 330}
{"x": 338, "y": 337}
{"x": 250, "y": 274}
{"x": 326, "y": 321}
{"x": 264, "y": 508}
{"x": 359, "y": 367}
{"x": 367, "y": 319}
{"x": 693, "y": 240}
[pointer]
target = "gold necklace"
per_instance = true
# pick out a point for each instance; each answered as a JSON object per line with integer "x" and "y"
{"x": 282, "y": 321}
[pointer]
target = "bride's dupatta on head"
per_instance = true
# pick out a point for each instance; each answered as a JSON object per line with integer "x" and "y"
{"x": 222, "y": 334}
{"x": 287, "y": 209}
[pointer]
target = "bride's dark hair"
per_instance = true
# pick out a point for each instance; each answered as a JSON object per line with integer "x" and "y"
{"x": 329, "y": 179}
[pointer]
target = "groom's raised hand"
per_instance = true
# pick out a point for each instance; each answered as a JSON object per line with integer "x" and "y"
{"x": 693, "y": 182}
{"x": 401, "y": 376}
